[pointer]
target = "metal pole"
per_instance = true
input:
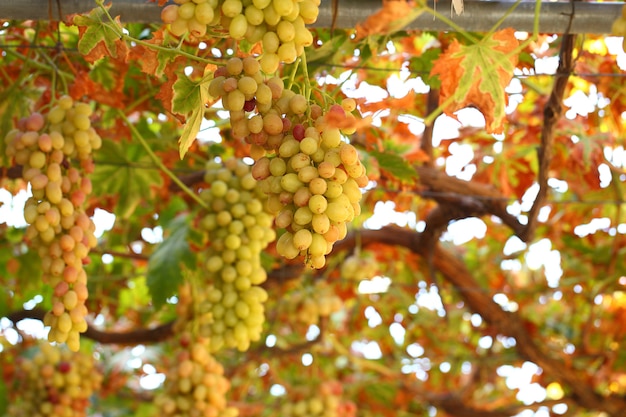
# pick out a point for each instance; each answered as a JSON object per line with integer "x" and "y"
{"x": 479, "y": 16}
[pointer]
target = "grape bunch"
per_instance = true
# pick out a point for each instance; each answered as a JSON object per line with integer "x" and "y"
{"x": 308, "y": 305}
{"x": 357, "y": 267}
{"x": 56, "y": 158}
{"x": 53, "y": 383}
{"x": 619, "y": 27}
{"x": 195, "y": 385}
{"x": 326, "y": 402}
{"x": 312, "y": 177}
{"x": 280, "y": 25}
{"x": 237, "y": 229}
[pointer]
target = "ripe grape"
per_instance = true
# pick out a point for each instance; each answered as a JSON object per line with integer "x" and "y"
{"x": 195, "y": 382}
{"x": 52, "y": 381}
{"x": 59, "y": 229}
{"x": 192, "y": 18}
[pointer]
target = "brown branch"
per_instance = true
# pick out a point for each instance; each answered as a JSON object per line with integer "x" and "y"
{"x": 469, "y": 193}
{"x": 118, "y": 254}
{"x": 432, "y": 102}
{"x": 551, "y": 115}
{"x": 188, "y": 180}
{"x": 133, "y": 337}
{"x": 455, "y": 406}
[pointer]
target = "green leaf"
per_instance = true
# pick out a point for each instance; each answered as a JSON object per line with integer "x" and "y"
{"x": 137, "y": 294}
{"x": 99, "y": 29}
{"x": 165, "y": 265}
{"x": 190, "y": 131}
{"x": 395, "y": 165}
{"x": 189, "y": 97}
{"x": 124, "y": 170}
{"x": 186, "y": 97}
{"x": 423, "y": 64}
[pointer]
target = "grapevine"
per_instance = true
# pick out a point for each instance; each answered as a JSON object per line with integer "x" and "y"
{"x": 55, "y": 151}
{"x": 54, "y": 382}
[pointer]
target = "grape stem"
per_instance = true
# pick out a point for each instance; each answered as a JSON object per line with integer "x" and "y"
{"x": 307, "y": 80}
{"x": 159, "y": 163}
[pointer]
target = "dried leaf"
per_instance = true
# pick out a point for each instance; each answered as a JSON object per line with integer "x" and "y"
{"x": 152, "y": 61}
{"x": 476, "y": 75}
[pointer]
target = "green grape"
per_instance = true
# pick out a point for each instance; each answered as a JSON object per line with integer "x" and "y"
{"x": 241, "y": 229}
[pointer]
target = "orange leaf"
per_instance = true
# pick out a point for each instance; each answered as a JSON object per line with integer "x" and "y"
{"x": 476, "y": 75}
{"x": 346, "y": 121}
{"x": 381, "y": 22}
{"x": 149, "y": 58}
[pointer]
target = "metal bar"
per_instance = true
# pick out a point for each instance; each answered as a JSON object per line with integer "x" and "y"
{"x": 479, "y": 16}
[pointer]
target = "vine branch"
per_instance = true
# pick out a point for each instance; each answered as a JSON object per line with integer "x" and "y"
{"x": 551, "y": 115}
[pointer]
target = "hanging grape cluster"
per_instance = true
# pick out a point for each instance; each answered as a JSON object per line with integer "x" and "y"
{"x": 308, "y": 305}
{"x": 55, "y": 152}
{"x": 326, "y": 401}
{"x": 53, "y": 383}
{"x": 313, "y": 180}
{"x": 278, "y": 24}
{"x": 357, "y": 267}
{"x": 195, "y": 385}
{"x": 237, "y": 229}
{"x": 311, "y": 176}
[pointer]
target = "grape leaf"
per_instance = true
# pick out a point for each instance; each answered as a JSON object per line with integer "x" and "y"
{"x": 100, "y": 37}
{"x": 188, "y": 100}
{"x": 190, "y": 131}
{"x": 187, "y": 96}
{"x": 164, "y": 266}
{"x": 124, "y": 171}
{"x": 422, "y": 65}
{"x": 153, "y": 61}
{"x": 397, "y": 166}
{"x": 476, "y": 75}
